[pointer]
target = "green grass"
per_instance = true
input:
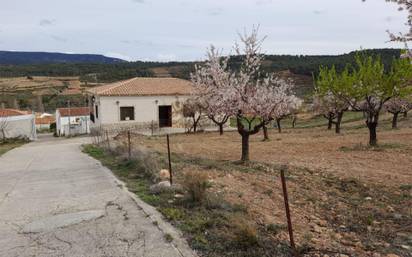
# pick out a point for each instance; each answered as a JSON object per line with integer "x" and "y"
{"x": 9, "y": 145}
{"x": 319, "y": 121}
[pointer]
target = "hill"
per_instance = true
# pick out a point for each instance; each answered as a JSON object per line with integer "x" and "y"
{"x": 25, "y": 58}
{"x": 100, "y": 72}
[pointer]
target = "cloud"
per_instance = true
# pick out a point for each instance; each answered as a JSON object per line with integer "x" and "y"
{"x": 263, "y": 2}
{"x": 47, "y": 22}
{"x": 215, "y": 11}
{"x": 389, "y": 19}
{"x": 139, "y": 1}
{"x": 319, "y": 12}
{"x": 166, "y": 57}
{"x": 59, "y": 39}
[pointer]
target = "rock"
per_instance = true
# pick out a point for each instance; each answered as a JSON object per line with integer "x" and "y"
{"x": 406, "y": 247}
{"x": 392, "y": 255}
{"x": 391, "y": 209}
{"x": 368, "y": 198}
{"x": 322, "y": 223}
{"x": 397, "y": 216}
{"x": 317, "y": 229}
{"x": 165, "y": 187}
{"x": 338, "y": 236}
{"x": 164, "y": 174}
{"x": 179, "y": 196}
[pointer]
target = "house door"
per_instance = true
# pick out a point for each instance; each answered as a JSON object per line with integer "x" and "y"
{"x": 165, "y": 116}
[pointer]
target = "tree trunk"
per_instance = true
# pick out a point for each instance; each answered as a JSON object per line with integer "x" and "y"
{"x": 338, "y": 122}
{"x": 395, "y": 120}
{"x": 220, "y": 129}
{"x": 278, "y": 125}
{"x": 294, "y": 119}
{"x": 245, "y": 147}
{"x": 373, "y": 141}
{"x": 219, "y": 123}
{"x": 265, "y": 133}
{"x": 194, "y": 127}
{"x": 330, "y": 122}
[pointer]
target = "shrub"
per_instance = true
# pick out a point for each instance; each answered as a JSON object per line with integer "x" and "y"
{"x": 244, "y": 232}
{"x": 195, "y": 184}
{"x": 53, "y": 126}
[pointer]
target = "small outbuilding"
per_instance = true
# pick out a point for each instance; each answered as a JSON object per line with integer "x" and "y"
{"x": 142, "y": 102}
{"x": 17, "y": 124}
{"x": 72, "y": 121}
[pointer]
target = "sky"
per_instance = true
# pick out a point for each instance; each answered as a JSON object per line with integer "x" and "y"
{"x": 182, "y": 30}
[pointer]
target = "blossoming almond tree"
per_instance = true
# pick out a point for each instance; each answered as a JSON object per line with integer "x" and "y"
{"x": 209, "y": 82}
{"x": 247, "y": 94}
{"x": 286, "y": 109}
{"x": 397, "y": 106}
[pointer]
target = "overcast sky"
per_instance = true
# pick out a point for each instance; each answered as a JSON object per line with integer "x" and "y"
{"x": 163, "y": 30}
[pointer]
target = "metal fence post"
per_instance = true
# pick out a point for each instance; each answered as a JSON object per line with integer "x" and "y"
{"x": 129, "y": 145}
{"x": 108, "y": 140}
{"x": 286, "y": 199}
{"x": 170, "y": 163}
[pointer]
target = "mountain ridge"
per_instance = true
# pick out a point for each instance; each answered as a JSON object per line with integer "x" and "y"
{"x": 30, "y": 58}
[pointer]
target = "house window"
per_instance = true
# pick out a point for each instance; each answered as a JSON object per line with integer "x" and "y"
{"x": 126, "y": 113}
{"x": 97, "y": 112}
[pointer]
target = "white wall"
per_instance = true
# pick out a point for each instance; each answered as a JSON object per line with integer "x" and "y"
{"x": 146, "y": 107}
{"x": 62, "y": 124}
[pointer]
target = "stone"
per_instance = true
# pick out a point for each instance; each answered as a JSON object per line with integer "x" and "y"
{"x": 368, "y": 198}
{"x": 165, "y": 187}
{"x": 317, "y": 229}
{"x": 406, "y": 247}
{"x": 164, "y": 174}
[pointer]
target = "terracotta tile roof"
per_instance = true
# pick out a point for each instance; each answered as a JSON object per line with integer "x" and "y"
{"x": 45, "y": 120}
{"x": 12, "y": 112}
{"x": 145, "y": 87}
{"x": 74, "y": 111}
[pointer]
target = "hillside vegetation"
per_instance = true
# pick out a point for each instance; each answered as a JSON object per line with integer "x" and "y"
{"x": 103, "y": 72}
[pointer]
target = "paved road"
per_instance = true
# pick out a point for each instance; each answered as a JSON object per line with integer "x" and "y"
{"x": 57, "y": 201}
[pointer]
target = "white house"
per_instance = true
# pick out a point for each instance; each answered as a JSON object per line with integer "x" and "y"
{"x": 17, "y": 124}
{"x": 140, "y": 102}
{"x": 72, "y": 121}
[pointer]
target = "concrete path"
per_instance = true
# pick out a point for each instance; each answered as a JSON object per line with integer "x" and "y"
{"x": 56, "y": 201}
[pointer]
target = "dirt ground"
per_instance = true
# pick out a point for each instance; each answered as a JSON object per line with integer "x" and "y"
{"x": 315, "y": 149}
{"x": 345, "y": 197}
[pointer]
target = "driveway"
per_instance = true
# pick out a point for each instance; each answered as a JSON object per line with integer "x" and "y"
{"x": 57, "y": 201}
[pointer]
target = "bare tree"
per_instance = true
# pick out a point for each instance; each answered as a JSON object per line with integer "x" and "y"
{"x": 193, "y": 109}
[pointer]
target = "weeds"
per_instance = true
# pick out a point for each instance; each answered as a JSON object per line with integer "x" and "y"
{"x": 195, "y": 184}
